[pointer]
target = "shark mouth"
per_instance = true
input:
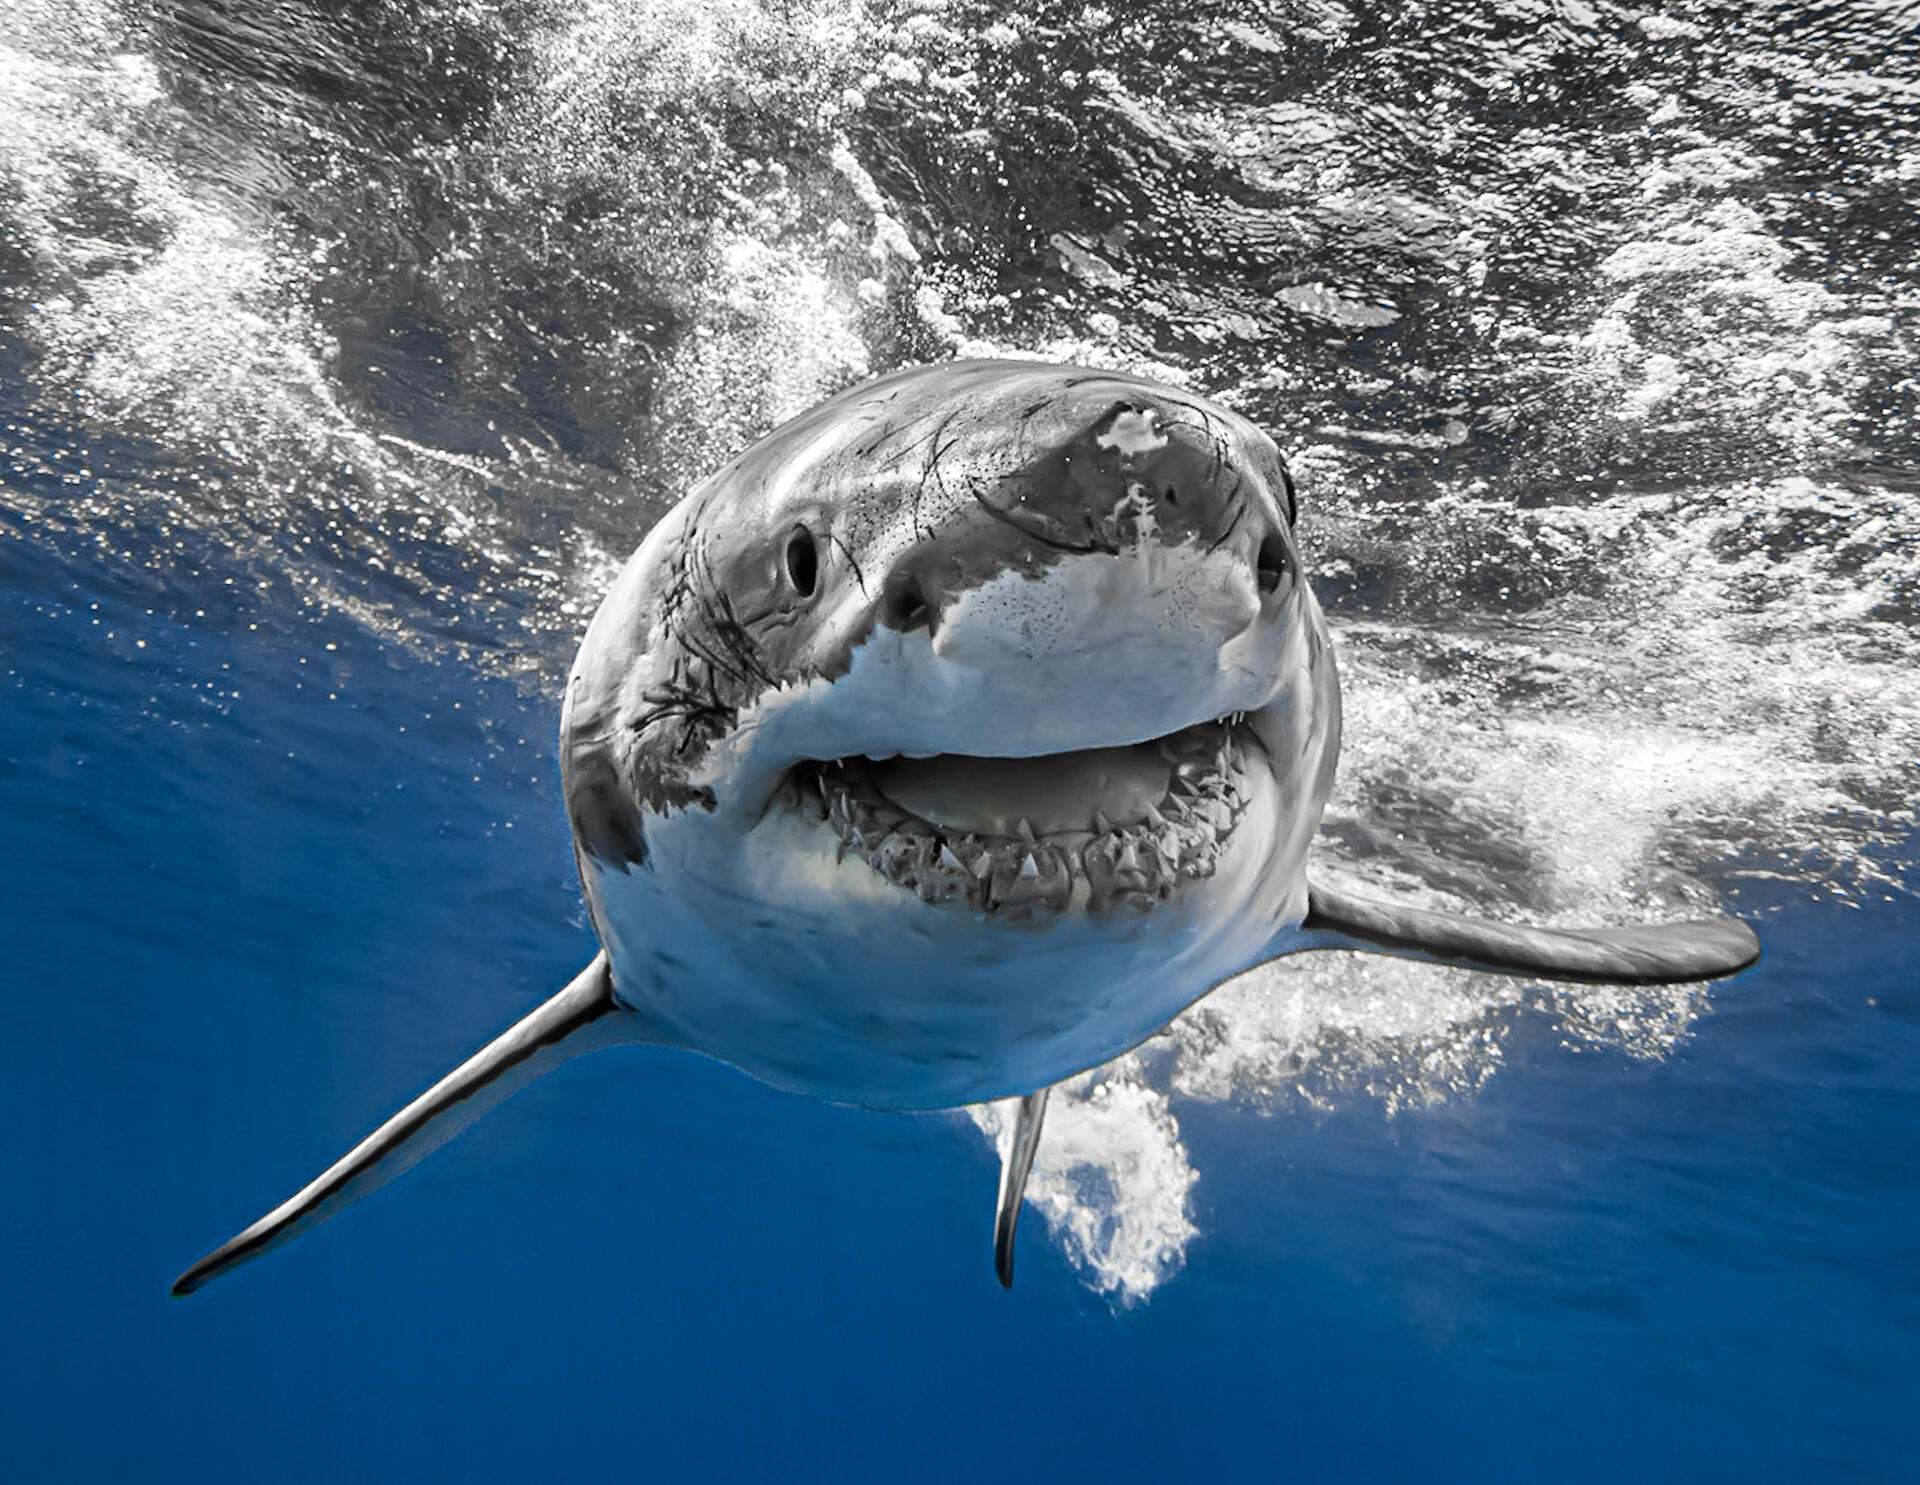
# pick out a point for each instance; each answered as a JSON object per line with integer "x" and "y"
{"x": 1094, "y": 829}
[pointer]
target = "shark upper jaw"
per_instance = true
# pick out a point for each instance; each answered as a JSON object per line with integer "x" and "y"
{"x": 1040, "y": 835}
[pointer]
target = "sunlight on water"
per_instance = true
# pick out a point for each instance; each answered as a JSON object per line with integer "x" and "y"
{"x": 1607, "y": 481}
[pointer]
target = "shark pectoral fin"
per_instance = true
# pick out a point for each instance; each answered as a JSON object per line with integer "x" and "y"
{"x": 1703, "y": 949}
{"x": 1014, "y": 1169}
{"x": 580, "y": 1018}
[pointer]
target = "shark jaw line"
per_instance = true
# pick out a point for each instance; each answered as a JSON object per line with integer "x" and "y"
{"x": 1085, "y": 830}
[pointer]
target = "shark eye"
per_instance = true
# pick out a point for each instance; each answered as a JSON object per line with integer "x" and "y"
{"x": 1272, "y": 563}
{"x": 802, "y": 561}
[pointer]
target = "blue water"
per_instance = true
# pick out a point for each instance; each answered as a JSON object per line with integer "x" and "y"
{"x": 265, "y": 877}
{"x": 345, "y": 351}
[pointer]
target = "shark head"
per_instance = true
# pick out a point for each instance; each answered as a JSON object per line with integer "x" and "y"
{"x": 955, "y": 735}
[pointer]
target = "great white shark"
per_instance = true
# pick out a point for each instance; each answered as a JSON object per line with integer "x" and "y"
{"x": 948, "y": 742}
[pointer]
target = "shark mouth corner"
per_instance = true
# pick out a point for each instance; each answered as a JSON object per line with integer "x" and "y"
{"x": 1094, "y": 829}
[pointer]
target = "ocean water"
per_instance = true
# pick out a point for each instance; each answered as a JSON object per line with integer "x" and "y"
{"x": 344, "y": 353}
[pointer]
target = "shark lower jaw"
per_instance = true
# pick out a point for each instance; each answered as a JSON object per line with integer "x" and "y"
{"x": 1021, "y": 838}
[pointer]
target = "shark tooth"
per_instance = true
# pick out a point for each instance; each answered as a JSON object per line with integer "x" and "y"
{"x": 807, "y": 795}
{"x": 950, "y": 861}
{"x": 902, "y": 855}
{"x": 1020, "y": 892}
{"x": 1101, "y": 824}
{"x": 1068, "y": 848}
{"x": 1024, "y": 827}
{"x": 1054, "y": 879}
{"x": 1029, "y": 868}
{"x": 941, "y": 883}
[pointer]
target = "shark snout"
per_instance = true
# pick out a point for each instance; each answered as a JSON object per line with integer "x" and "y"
{"x": 1141, "y": 603}
{"x": 1137, "y": 526}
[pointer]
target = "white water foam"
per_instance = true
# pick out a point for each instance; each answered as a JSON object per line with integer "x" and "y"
{"x": 1111, "y": 1177}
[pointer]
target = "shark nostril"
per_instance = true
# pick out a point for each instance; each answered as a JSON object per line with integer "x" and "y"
{"x": 905, "y": 606}
{"x": 1271, "y": 565}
